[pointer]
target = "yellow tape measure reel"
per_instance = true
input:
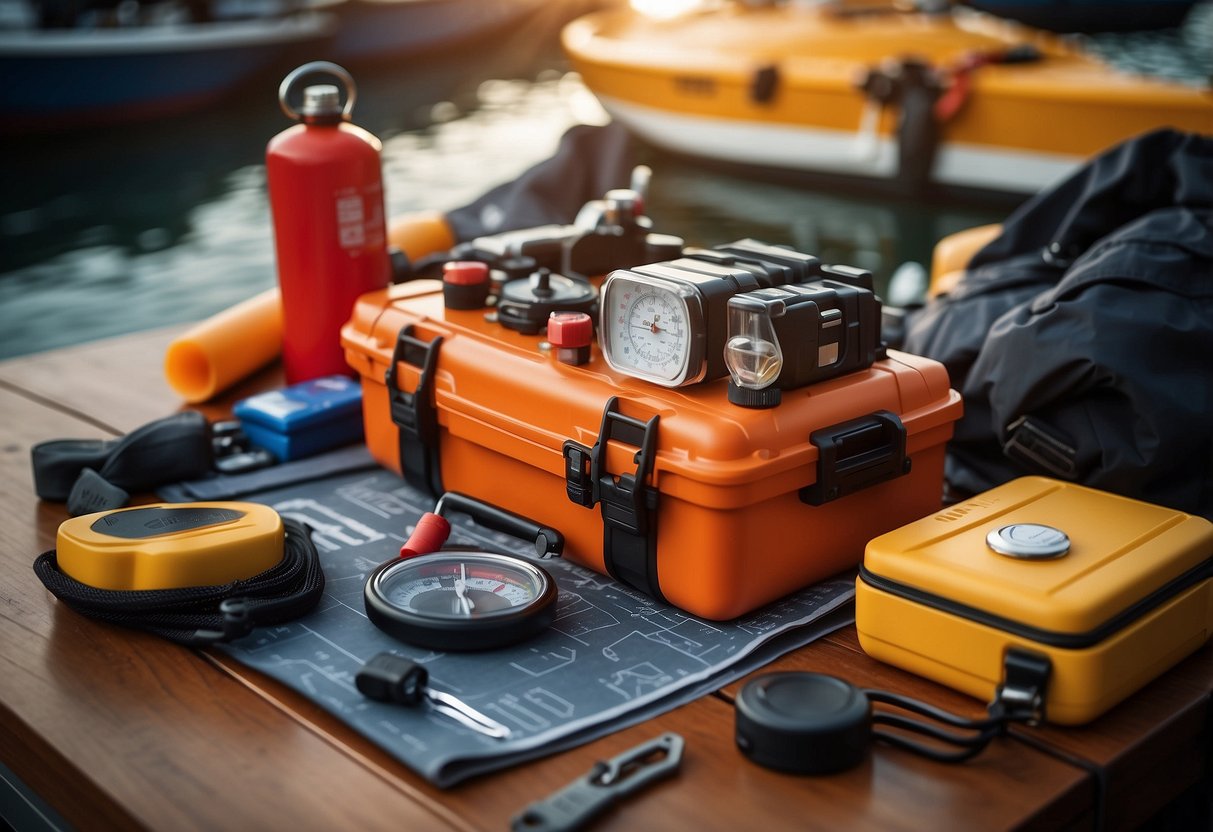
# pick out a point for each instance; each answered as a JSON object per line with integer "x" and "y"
{"x": 169, "y": 546}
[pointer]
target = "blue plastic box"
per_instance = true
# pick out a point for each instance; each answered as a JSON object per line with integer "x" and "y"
{"x": 303, "y": 419}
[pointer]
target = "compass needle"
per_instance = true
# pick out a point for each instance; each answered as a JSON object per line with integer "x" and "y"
{"x": 466, "y": 604}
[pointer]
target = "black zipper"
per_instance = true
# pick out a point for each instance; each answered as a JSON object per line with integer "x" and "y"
{"x": 1052, "y": 638}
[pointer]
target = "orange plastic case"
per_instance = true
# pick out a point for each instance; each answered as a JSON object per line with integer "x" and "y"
{"x": 1129, "y": 598}
{"x": 706, "y": 504}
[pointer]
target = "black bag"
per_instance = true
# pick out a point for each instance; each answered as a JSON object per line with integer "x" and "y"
{"x": 1082, "y": 337}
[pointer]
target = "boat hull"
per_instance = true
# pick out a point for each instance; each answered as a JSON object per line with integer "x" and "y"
{"x": 692, "y": 86}
{"x": 70, "y": 78}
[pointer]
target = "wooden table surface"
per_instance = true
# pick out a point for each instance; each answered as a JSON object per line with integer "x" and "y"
{"x": 117, "y": 729}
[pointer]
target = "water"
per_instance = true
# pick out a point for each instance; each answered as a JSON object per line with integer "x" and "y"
{"x": 115, "y": 231}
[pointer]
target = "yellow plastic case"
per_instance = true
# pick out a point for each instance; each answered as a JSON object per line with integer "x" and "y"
{"x": 1128, "y": 598}
{"x": 169, "y": 546}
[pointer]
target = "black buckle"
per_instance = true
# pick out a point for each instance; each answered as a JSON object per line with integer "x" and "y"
{"x": 856, "y": 454}
{"x": 578, "y": 482}
{"x": 629, "y": 533}
{"x": 414, "y": 413}
{"x": 1025, "y": 681}
{"x": 1042, "y": 447}
{"x": 626, "y": 500}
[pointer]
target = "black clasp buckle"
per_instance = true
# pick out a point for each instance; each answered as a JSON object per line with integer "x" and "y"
{"x": 1042, "y": 447}
{"x": 629, "y": 533}
{"x": 414, "y": 413}
{"x": 578, "y": 482}
{"x": 1025, "y": 682}
{"x": 856, "y": 454}
{"x": 626, "y": 500}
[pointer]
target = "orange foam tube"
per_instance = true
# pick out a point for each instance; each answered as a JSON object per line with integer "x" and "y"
{"x": 225, "y": 348}
{"x": 237, "y": 342}
{"x": 421, "y": 233}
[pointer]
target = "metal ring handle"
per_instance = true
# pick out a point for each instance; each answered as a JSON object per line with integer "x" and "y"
{"x": 312, "y": 68}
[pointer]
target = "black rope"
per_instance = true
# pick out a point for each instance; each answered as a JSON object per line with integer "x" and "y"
{"x": 202, "y": 615}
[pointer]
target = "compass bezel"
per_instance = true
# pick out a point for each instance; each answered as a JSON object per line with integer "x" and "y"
{"x": 484, "y": 631}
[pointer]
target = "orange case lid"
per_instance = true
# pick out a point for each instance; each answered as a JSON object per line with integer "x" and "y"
{"x": 1120, "y": 550}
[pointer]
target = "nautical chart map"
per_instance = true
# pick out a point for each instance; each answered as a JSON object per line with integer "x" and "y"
{"x": 613, "y": 658}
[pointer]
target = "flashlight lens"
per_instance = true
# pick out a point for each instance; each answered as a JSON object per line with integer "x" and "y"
{"x": 752, "y": 352}
{"x": 752, "y": 363}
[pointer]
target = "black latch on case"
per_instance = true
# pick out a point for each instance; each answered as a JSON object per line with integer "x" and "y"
{"x": 578, "y": 481}
{"x": 855, "y": 454}
{"x": 414, "y": 414}
{"x": 1025, "y": 681}
{"x": 629, "y": 519}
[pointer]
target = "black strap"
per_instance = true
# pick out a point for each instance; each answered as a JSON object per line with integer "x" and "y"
{"x": 171, "y": 449}
{"x": 202, "y": 615}
{"x": 414, "y": 414}
{"x": 628, "y": 504}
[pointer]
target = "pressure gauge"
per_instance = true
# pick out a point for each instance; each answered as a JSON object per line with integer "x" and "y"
{"x": 659, "y": 322}
{"x": 667, "y": 323}
{"x": 651, "y": 328}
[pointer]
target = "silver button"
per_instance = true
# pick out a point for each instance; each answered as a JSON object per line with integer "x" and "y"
{"x": 1029, "y": 541}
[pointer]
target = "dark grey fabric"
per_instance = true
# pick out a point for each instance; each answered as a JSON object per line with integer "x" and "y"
{"x": 589, "y": 162}
{"x": 1092, "y": 314}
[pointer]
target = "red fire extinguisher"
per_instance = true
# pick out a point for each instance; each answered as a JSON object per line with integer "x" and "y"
{"x": 326, "y": 197}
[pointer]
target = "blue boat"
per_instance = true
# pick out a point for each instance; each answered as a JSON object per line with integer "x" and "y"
{"x": 88, "y": 75}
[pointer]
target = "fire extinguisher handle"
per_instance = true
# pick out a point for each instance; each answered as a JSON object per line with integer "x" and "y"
{"x": 317, "y": 68}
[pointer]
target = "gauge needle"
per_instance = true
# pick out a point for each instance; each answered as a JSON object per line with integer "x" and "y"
{"x": 461, "y": 589}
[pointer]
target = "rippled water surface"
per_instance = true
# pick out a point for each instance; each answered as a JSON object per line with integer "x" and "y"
{"x": 113, "y": 231}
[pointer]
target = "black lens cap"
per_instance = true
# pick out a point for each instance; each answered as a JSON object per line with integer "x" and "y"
{"x": 803, "y": 723}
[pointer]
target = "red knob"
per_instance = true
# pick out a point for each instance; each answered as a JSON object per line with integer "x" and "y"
{"x": 570, "y": 330}
{"x": 465, "y": 273}
{"x": 465, "y": 284}
{"x": 570, "y": 334}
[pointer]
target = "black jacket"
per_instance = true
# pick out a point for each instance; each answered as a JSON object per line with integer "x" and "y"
{"x": 1082, "y": 337}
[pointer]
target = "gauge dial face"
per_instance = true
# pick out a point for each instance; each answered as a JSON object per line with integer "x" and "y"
{"x": 457, "y": 600}
{"x": 459, "y": 587}
{"x": 648, "y": 331}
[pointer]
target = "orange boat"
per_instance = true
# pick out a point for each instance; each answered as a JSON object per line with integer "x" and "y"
{"x": 958, "y": 99}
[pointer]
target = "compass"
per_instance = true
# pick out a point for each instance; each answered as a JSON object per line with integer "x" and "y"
{"x": 463, "y": 598}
